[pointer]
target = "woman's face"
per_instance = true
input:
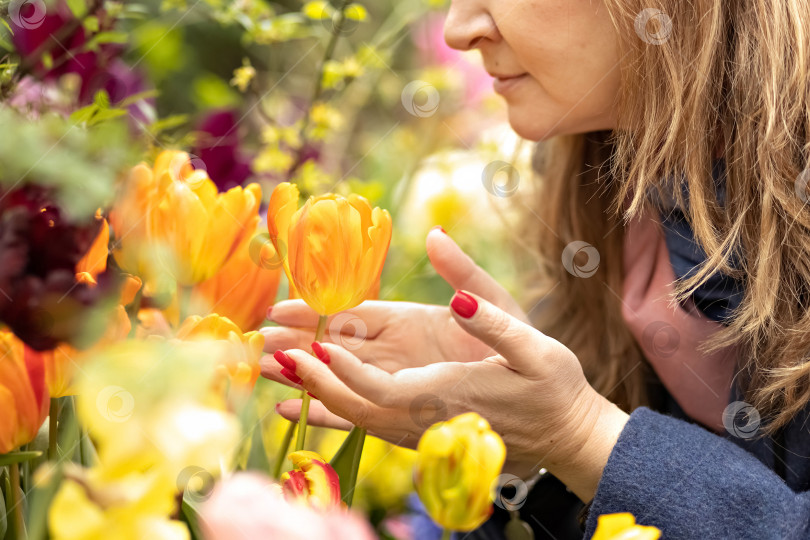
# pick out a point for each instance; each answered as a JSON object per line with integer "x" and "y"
{"x": 556, "y": 62}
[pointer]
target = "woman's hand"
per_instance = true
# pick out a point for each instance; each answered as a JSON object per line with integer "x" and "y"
{"x": 396, "y": 335}
{"x": 532, "y": 391}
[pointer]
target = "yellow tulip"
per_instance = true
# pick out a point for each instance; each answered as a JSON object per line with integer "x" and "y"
{"x": 332, "y": 248}
{"x": 173, "y": 215}
{"x": 240, "y": 368}
{"x": 457, "y": 464}
{"x": 622, "y": 526}
{"x": 24, "y": 396}
{"x": 246, "y": 285}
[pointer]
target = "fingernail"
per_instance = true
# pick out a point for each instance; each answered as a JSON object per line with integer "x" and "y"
{"x": 282, "y": 358}
{"x": 464, "y": 304}
{"x": 313, "y": 396}
{"x": 276, "y": 407}
{"x": 269, "y": 313}
{"x": 439, "y": 227}
{"x": 292, "y": 377}
{"x": 321, "y": 353}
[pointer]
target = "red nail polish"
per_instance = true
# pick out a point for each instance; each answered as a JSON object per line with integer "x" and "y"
{"x": 292, "y": 377}
{"x": 439, "y": 227}
{"x": 464, "y": 304}
{"x": 269, "y": 312}
{"x": 321, "y": 353}
{"x": 313, "y": 396}
{"x": 282, "y": 358}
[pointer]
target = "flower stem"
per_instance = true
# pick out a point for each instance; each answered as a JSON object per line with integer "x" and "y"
{"x": 183, "y": 302}
{"x": 302, "y": 420}
{"x": 15, "y": 504}
{"x": 53, "y": 433}
{"x": 281, "y": 457}
{"x": 446, "y": 534}
{"x": 358, "y": 453}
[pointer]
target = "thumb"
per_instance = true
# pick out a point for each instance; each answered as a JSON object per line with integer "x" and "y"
{"x": 460, "y": 272}
{"x": 520, "y": 344}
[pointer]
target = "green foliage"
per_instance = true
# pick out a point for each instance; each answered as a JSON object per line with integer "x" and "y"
{"x": 80, "y": 162}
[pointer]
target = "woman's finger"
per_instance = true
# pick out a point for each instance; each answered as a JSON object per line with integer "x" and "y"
{"x": 461, "y": 272}
{"x": 366, "y": 320}
{"x": 318, "y": 414}
{"x": 316, "y": 378}
{"x": 271, "y": 369}
{"x": 522, "y": 345}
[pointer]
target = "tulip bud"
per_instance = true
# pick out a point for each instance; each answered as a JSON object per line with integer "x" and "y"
{"x": 623, "y": 526}
{"x": 457, "y": 464}
{"x": 312, "y": 480}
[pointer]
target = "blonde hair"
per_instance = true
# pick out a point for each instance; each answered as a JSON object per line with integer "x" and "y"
{"x": 718, "y": 78}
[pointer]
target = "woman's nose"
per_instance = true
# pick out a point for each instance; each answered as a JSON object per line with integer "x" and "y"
{"x": 467, "y": 24}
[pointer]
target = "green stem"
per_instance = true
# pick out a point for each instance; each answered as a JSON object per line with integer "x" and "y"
{"x": 446, "y": 534}
{"x": 53, "y": 433}
{"x": 302, "y": 420}
{"x": 18, "y": 525}
{"x": 282, "y": 450}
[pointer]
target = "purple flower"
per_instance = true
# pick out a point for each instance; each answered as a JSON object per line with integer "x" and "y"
{"x": 218, "y": 149}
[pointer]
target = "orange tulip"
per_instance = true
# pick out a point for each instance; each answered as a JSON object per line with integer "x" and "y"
{"x": 24, "y": 397}
{"x": 94, "y": 261}
{"x": 332, "y": 248}
{"x": 172, "y": 218}
{"x": 241, "y": 367}
{"x": 245, "y": 286}
{"x": 312, "y": 480}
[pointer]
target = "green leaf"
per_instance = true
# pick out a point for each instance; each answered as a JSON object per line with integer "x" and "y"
{"x": 346, "y": 462}
{"x": 77, "y": 7}
{"x": 355, "y": 12}
{"x": 91, "y": 24}
{"x": 318, "y": 10}
{"x": 107, "y": 37}
{"x": 3, "y": 519}
{"x": 102, "y": 99}
{"x": 18, "y": 457}
{"x": 170, "y": 122}
{"x": 84, "y": 114}
{"x": 191, "y": 516}
{"x": 8, "y": 27}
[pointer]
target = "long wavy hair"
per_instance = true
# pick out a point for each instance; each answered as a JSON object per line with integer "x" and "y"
{"x": 700, "y": 79}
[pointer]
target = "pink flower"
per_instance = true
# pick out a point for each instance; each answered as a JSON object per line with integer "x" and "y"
{"x": 248, "y": 506}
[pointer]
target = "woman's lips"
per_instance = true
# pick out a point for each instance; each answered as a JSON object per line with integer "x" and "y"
{"x": 504, "y": 84}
